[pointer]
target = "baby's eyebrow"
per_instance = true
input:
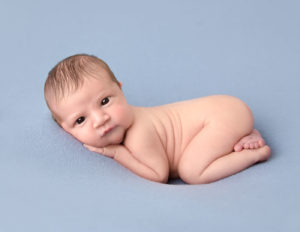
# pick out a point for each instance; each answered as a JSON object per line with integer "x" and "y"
{"x": 101, "y": 94}
{"x": 73, "y": 117}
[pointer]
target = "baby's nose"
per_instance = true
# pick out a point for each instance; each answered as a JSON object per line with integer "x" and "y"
{"x": 99, "y": 119}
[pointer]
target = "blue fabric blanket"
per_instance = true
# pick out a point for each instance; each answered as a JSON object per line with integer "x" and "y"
{"x": 162, "y": 51}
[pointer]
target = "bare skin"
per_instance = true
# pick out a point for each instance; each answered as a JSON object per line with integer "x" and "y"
{"x": 200, "y": 141}
{"x": 252, "y": 141}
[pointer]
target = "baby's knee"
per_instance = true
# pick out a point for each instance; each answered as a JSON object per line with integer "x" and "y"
{"x": 190, "y": 174}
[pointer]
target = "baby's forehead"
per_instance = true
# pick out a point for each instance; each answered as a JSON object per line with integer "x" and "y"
{"x": 89, "y": 89}
{"x": 89, "y": 82}
{"x": 73, "y": 87}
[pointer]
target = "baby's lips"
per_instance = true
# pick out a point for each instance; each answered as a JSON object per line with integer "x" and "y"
{"x": 105, "y": 131}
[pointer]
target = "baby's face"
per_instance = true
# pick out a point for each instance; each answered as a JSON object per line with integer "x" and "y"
{"x": 96, "y": 114}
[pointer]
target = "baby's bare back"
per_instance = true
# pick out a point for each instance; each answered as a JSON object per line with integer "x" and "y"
{"x": 178, "y": 123}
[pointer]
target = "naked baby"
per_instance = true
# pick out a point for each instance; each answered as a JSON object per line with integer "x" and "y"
{"x": 200, "y": 140}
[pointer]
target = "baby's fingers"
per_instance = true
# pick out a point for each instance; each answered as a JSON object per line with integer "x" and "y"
{"x": 93, "y": 149}
{"x": 100, "y": 150}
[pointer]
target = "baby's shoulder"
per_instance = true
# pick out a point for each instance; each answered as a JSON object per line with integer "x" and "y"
{"x": 142, "y": 130}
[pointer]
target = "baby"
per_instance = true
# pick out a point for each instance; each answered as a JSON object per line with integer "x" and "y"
{"x": 200, "y": 141}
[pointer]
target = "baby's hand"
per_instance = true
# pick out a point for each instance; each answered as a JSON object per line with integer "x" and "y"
{"x": 109, "y": 151}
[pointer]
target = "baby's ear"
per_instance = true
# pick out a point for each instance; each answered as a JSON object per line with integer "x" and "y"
{"x": 120, "y": 85}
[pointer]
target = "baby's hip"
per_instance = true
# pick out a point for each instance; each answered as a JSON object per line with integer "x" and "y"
{"x": 225, "y": 113}
{"x": 232, "y": 115}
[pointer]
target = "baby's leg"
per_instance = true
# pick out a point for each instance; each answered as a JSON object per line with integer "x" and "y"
{"x": 252, "y": 141}
{"x": 209, "y": 156}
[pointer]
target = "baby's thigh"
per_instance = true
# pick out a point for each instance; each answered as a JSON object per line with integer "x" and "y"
{"x": 215, "y": 140}
{"x": 223, "y": 129}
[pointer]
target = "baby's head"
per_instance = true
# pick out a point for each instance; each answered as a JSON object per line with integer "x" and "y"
{"x": 69, "y": 75}
{"x": 87, "y": 101}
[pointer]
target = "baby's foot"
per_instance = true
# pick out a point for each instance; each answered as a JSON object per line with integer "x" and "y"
{"x": 264, "y": 153}
{"x": 252, "y": 141}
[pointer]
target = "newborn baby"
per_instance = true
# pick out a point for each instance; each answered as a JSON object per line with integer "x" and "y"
{"x": 200, "y": 141}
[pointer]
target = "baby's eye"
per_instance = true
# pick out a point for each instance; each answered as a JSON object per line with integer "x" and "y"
{"x": 80, "y": 120}
{"x": 105, "y": 101}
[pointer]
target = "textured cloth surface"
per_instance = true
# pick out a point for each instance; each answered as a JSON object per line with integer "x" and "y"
{"x": 162, "y": 51}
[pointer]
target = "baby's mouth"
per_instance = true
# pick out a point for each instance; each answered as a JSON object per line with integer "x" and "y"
{"x": 106, "y": 131}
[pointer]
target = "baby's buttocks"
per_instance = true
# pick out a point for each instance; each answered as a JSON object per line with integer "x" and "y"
{"x": 178, "y": 123}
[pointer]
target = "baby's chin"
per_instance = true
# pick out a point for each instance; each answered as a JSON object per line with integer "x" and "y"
{"x": 113, "y": 140}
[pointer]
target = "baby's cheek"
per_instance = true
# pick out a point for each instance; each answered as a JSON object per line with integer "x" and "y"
{"x": 120, "y": 112}
{"x": 79, "y": 137}
{"x": 83, "y": 137}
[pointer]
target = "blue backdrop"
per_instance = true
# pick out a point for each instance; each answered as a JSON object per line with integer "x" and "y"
{"x": 162, "y": 51}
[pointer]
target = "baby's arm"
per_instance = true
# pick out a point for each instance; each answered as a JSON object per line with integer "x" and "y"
{"x": 146, "y": 158}
{"x": 157, "y": 171}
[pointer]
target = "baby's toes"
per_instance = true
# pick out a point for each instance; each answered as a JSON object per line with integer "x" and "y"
{"x": 247, "y": 145}
{"x": 252, "y": 145}
{"x": 238, "y": 147}
{"x": 256, "y": 145}
{"x": 261, "y": 142}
